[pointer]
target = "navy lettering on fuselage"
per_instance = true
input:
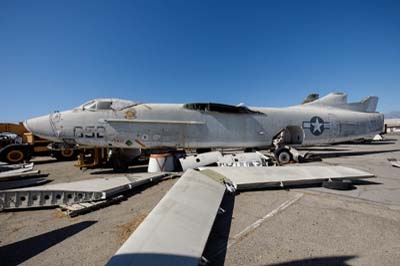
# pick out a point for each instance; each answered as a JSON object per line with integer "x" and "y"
{"x": 89, "y": 132}
{"x": 316, "y": 125}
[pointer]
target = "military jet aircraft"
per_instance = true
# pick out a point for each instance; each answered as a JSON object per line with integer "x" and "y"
{"x": 129, "y": 128}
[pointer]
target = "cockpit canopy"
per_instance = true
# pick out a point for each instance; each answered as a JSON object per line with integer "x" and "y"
{"x": 104, "y": 104}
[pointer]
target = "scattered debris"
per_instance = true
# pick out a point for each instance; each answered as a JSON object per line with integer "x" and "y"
{"x": 73, "y": 192}
{"x": 8, "y": 171}
{"x": 20, "y": 175}
{"x": 7, "y": 167}
{"x": 394, "y": 162}
{"x": 76, "y": 209}
{"x": 198, "y": 160}
{"x": 247, "y": 159}
{"x": 26, "y": 182}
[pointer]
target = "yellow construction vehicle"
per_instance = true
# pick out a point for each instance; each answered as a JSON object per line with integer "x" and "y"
{"x": 92, "y": 157}
{"x": 18, "y": 145}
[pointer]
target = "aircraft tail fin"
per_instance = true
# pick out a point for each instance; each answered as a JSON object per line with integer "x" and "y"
{"x": 339, "y": 100}
{"x": 367, "y": 105}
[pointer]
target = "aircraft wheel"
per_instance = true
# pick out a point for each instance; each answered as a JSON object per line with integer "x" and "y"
{"x": 338, "y": 184}
{"x": 284, "y": 156}
{"x": 64, "y": 155}
{"x": 15, "y": 156}
{"x": 67, "y": 153}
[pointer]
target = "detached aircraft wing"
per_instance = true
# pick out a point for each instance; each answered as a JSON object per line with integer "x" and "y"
{"x": 267, "y": 177}
{"x": 177, "y": 229}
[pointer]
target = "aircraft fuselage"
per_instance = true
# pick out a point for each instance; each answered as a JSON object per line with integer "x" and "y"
{"x": 155, "y": 126}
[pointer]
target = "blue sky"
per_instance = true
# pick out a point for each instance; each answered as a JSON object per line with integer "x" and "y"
{"x": 54, "y": 55}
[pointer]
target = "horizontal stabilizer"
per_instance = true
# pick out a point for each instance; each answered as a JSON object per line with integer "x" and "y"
{"x": 339, "y": 100}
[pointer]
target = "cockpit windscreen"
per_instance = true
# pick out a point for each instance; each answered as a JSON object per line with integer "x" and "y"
{"x": 107, "y": 104}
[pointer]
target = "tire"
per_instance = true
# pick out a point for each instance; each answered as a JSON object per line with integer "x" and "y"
{"x": 283, "y": 156}
{"x": 64, "y": 155}
{"x": 15, "y": 156}
{"x": 338, "y": 185}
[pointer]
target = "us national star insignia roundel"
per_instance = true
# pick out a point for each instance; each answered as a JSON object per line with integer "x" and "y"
{"x": 316, "y": 125}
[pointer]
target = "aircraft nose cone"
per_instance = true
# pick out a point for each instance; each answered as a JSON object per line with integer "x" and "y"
{"x": 41, "y": 127}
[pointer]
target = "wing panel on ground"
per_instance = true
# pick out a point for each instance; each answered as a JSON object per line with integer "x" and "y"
{"x": 263, "y": 177}
{"x": 73, "y": 192}
{"x": 176, "y": 230}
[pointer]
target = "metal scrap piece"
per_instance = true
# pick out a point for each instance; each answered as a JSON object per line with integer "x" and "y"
{"x": 73, "y": 192}
{"x": 394, "y": 162}
{"x": 26, "y": 182}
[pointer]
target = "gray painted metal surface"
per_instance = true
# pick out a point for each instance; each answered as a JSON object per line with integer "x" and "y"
{"x": 8, "y": 167}
{"x": 14, "y": 171}
{"x": 133, "y": 125}
{"x": 26, "y": 182}
{"x": 202, "y": 159}
{"x": 264, "y": 177}
{"x": 73, "y": 192}
{"x": 247, "y": 159}
{"x": 176, "y": 231}
{"x": 76, "y": 209}
{"x": 13, "y": 174}
{"x": 394, "y": 162}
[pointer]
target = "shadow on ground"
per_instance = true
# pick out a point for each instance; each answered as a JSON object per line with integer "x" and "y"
{"x": 37, "y": 162}
{"x": 20, "y": 251}
{"x": 325, "y": 261}
{"x": 320, "y": 148}
{"x": 217, "y": 243}
{"x": 131, "y": 170}
{"x": 358, "y": 182}
{"x": 352, "y": 153}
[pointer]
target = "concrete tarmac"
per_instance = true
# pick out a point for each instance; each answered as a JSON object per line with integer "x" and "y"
{"x": 298, "y": 226}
